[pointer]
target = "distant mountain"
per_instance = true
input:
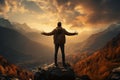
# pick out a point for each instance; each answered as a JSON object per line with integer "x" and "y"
{"x": 16, "y": 46}
{"x": 11, "y": 39}
{"x": 13, "y": 71}
{"x": 22, "y": 27}
{"x": 100, "y": 64}
{"x": 31, "y": 33}
{"x": 13, "y": 25}
{"x": 5, "y": 23}
{"x": 98, "y": 40}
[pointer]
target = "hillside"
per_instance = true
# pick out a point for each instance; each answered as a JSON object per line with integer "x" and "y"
{"x": 23, "y": 28}
{"x": 98, "y": 40}
{"x": 31, "y": 33}
{"x": 16, "y": 47}
{"x": 99, "y": 65}
{"x": 10, "y": 70}
{"x": 5, "y": 23}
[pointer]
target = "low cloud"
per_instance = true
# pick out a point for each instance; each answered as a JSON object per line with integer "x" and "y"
{"x": 31, "y": 6}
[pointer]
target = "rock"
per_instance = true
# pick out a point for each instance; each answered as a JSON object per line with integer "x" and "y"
{"x": 85, "y": 77}
{"x": 3, "y": 77}
{"x": 115, "y": 74}
{"x": 61, "y": 74}
{"x": 40, "y": 74}
{"x": 58, "y": 73}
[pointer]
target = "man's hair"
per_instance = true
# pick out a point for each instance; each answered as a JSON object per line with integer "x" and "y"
{"x": 59, "y": 24}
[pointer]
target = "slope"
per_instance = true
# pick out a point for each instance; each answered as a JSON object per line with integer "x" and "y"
{"x": 13, "y": 71}
{"x": 99, "y": 65}
{"x": 14, "y": 45}
{"x": 98, "y": 40}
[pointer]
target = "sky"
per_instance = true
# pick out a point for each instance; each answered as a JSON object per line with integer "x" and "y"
{"x": 76, "y": 15}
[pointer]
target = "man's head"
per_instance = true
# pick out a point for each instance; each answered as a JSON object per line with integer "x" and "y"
{"x": 59, "y": 24}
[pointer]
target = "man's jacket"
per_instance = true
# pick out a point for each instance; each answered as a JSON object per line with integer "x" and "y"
{"x": 59, "y": 35}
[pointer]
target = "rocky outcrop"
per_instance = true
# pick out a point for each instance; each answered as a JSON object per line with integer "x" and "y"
{"x": 115, "y": 74}
{"x": 56, "y": 73}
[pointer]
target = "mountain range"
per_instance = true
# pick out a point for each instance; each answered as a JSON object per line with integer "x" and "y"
{"x": 93, "y": 43}
{"x": 16, "y": 47}
{"x": 97, "y": 40}
{"x": 31, "y": 33}
{"x": 99, "y": 65}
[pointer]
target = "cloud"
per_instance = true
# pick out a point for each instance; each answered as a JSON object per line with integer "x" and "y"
{"x": 32, "y": 6}
{"x": 103, "y": 11}
{"x": 9, "y": 6}
{"x": 2, "y": 2}
{"x": 77, "y": 13}
{"x": 94, "y": 11}
{"x": 21, "y": 6}
{"x": 69, "y": 12}
{"x": 4, "y": 8}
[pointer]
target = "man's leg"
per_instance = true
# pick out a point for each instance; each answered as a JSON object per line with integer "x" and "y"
{"x": 56, "y": 52}
{"x": 63, "y": 54}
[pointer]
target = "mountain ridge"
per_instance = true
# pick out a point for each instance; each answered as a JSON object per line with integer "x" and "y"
{"x": 11, "y": 40}
{"x": 98, "y": 40}
{"x": 100, "y": 63}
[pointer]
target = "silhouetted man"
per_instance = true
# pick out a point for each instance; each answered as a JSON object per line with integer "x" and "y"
{"x": 59, "y": 40}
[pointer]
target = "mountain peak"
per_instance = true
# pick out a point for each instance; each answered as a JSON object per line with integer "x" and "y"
{"x": 5, "y": 23}
{"x": 21, "y": 27}
{"x": 25, "y": 24}
{"x": 114, "y": 27}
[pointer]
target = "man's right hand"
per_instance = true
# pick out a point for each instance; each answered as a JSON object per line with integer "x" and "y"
{"x": 42, "y": 33}
{"x": 76, "y": 33}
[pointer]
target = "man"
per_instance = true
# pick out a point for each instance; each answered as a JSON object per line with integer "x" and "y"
{"x": 59, "y": 40}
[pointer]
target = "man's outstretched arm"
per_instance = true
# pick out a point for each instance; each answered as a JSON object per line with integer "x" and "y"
{"x": 70, "y": 33}
{"x": 48, "y": 33}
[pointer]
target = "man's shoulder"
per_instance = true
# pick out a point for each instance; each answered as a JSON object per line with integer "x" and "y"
{"x": 64, "y": 29}
{"x": 59, "y": 29}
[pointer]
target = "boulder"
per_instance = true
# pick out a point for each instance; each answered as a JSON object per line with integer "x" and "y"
{"x": 115, "y": 74}
{"x": 84, "y": 77}
{"x": 3, "y": 77}
{"x": 58, "y": 73}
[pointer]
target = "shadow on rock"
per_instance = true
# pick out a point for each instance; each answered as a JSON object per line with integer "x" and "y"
{"x": 51, "y": 72}
{"x": 115, "y": 74}
{"x": 84, "y": 77}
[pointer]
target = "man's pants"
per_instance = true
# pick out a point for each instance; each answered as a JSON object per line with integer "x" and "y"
{"x": 56, "y": 53}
